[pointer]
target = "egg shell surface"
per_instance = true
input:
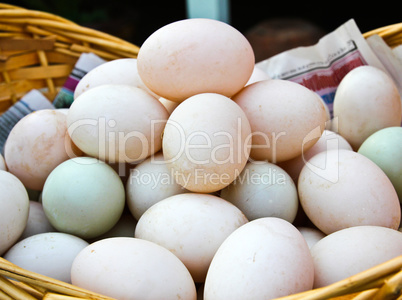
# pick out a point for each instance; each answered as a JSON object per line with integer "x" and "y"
{"x": 366, "y": 100}
{"x": 286, "y": 118}
{"x": 341, "y": 188}
{"x": 14, "y": 203}
{"x": 206, "y": 142}
{"x": 148, "y": 183}
{"x": 328, "y": 140}
{"x": 192, "y": 226}
{"x": 264, "y": 259}
{"x": 384, "y": 148}
{"x": 183, "y": 58}
{"x": 137, "y": 269}
{"x": 50, "y": 254}
{"x": 117, "y": 123}
{"x": 116, "y": 71}
{"x": 263, "y": 189}
{"x": 84, "y": 197}
{"x": 35, "y": 146}
{"x": 352, "y": 250}
{"x": 37, "y": 221}
{"x": 311, "y": 235}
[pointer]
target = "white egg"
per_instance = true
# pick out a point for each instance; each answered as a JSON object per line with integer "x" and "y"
{"x": 366, "y": 100}
{"x": 14, "y": 203}
{"x": 117, "y": 71}
{"x": 286, "y": 118}
{"x": 35, "y": 146}
{"x": 169, "y": 105}
{"x": 50, "y": 254}
{"x": 148, "y": 183}
{"x": 84, "y": 197}
{"x": 37, "y": 221}
{"x": 341, "y": 188}
{"x": 263, "y": 189}
{"x": 352, "y": 250}
{"x": 311, "y": 235}
{"x": 263, "y": 259}
{"x": 328, "y": 140}
{"x": 183, "y": 59}
{"x": 192, "y": 226}
{"x": 117, "y": 123}
{"x": 136, "y": 269}
{"x": 206, "y": 142}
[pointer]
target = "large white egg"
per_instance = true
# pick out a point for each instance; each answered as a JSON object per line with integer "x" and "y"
{"x": 84, "y": 197}
{"x": 341, "y": 188}
{"x": 50, "y": 254}
{"x": 263, "y": 259}
{"x": 169, "y": 105}
{"x": 117, "y": 71}
{"x": 286, "y": 118}
{"x": 192, "y": 226}
{"x": 263, "y": 189}
{"x": 352, "y": 250}
{"x": 311, "y": 235}
{"x": 117, "y": 123}
{"x": 14, "y": 203}
{"x": 148, "y": 183}
{"x": 130, "y": 268}
{"x": 37, "y": 221}
{"x": 183, "y": 59}
{"x": 328, "y": 140}
{"x": 206, "y": 142}
{"x": 35, "y": 146}
{"x": 366, "y": 100}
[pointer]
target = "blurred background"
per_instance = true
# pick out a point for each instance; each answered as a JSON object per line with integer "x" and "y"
{"x": 271, "y": 27}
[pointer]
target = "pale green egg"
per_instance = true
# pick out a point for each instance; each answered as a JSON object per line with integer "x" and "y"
{"x": 84, "y": 197}
{"x": 384, "y": 148}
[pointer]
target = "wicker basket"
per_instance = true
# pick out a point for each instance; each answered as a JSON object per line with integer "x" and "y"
{"x": 42, "y": 57}
{"x": 38, "y": 50}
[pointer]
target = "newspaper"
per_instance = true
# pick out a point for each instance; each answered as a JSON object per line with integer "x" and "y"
{"x": 322, "y": 66}
{"x": 388, "y": 57}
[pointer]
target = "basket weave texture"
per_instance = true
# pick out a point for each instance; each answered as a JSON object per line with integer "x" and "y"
{"x": 38, "y": 50}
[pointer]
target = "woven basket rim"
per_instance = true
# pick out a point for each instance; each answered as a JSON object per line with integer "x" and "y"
{"x": 19, "y": 17}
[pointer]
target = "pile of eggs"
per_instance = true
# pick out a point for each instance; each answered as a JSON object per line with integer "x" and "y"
{"x": 188, "y": 172}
